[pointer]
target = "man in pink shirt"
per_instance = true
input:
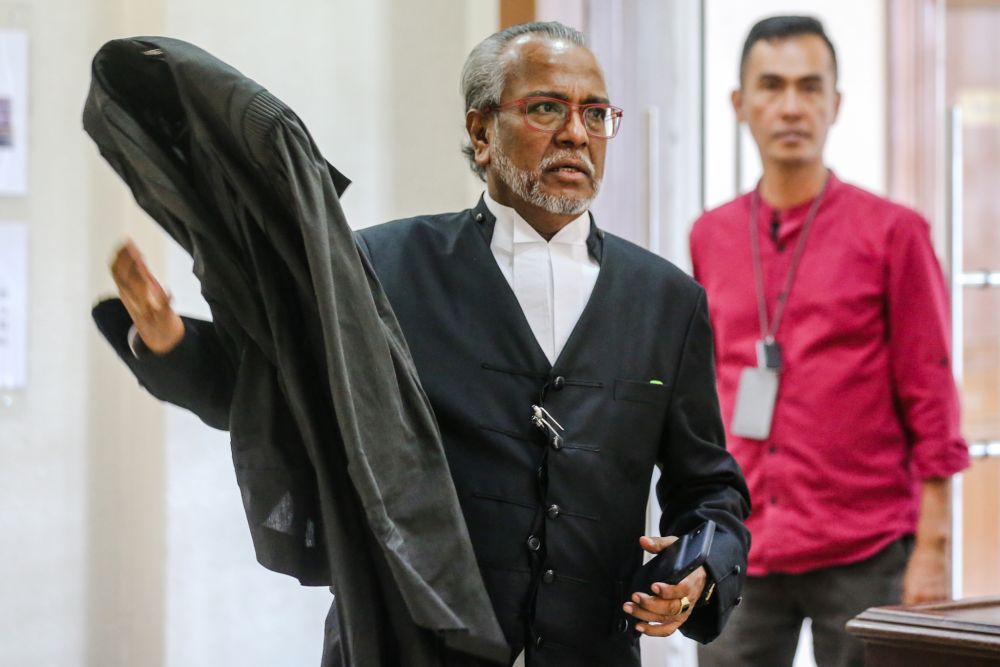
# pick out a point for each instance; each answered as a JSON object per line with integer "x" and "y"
{"x": 832, "y": 350}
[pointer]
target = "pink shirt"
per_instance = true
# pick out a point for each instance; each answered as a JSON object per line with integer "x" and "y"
{"x": 867, "y": 406}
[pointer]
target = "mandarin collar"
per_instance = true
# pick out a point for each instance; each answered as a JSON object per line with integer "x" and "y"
{"x": 581, "y": 230}
{"x": 797, "y": 213}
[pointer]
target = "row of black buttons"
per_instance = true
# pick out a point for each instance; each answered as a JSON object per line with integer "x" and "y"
{"x": 534, "y": 543}
{"x": 553, "y": 510}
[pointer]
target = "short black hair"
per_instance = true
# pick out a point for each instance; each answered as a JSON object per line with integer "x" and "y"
{"x": 782, "y": 27}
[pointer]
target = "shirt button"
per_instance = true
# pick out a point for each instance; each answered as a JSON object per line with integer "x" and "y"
{"x": 556, "y": 443}
{"x": 774, "y": 500}
{"x": 549, "y": 576}
{"x": 553, "y": 511}
{"x": 479, "y": 217}
{"x": 773, "y": 449}
{"x": 559, "y": 382}
{"x": 534, "y": 544}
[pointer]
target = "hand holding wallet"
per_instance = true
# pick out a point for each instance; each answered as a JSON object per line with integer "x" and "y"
{"x": 677, "y": 561}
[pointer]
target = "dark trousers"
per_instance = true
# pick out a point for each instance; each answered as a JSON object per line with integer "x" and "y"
{"x": 764, "y": 630}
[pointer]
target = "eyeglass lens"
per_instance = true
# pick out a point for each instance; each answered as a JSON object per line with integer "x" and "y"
{"x": 551, "y": 115}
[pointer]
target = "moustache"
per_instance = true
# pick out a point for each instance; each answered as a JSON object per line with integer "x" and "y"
{"x": 581, "y": 161}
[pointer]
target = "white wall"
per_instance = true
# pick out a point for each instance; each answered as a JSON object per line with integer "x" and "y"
{"x": 45, "y": 444}
{"x": 856, "y": 147}
{"x": 122, "y": 537}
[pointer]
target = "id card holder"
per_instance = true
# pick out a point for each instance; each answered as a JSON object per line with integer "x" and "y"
{"x": 755, "y": 400}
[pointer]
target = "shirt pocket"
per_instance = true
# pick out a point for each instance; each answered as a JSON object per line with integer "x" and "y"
{"x": 641, "y": 392}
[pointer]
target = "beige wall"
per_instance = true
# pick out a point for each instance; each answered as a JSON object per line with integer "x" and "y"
{"x": 122, "y": 538}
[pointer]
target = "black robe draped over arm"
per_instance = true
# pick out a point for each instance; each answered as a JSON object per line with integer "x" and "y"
{"x": 337, "y": 453}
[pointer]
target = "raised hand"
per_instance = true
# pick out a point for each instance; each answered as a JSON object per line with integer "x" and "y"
{"x": 159, "y": 327}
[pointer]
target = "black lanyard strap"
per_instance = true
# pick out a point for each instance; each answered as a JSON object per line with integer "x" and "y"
{"x": 769, "y": 332}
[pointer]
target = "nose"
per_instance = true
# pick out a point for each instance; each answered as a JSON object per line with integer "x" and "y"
{"x": 573, "y": 133}
{"x": 791, "y": 105}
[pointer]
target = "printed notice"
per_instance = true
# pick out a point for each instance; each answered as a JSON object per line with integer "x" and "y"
{"x": 13, "y": 305}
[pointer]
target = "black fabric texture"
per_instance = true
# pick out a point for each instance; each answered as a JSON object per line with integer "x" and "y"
{"x": 482, "y": 369}
{"x": 337, "y": 453}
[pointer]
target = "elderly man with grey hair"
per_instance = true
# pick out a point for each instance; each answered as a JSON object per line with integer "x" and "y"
{"x": 562, "y": 364}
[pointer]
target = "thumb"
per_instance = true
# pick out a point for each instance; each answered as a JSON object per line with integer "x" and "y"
{"x": 655, "y": 545}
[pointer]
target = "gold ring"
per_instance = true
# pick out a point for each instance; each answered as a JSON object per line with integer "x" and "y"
{"x": 685, "y": 605}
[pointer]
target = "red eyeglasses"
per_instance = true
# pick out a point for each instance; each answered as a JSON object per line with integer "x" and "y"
{"x": 549, "y": 114}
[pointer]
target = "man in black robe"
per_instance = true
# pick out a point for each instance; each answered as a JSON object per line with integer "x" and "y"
{"x": 551, "y": 437}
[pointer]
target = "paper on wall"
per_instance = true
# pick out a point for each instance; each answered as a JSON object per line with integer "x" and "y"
{"x": 13, "y": 305}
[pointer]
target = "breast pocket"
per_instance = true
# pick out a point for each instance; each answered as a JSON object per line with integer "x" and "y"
{"x": 641, "y": 392}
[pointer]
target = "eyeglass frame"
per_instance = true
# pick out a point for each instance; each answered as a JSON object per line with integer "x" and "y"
{"x": 523, "y": 103}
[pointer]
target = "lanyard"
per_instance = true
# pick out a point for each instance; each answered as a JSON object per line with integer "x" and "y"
{"x": 769, "y": 332}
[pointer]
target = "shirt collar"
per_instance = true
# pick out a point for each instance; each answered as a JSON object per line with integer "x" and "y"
{"x": 511, "y": 229}
{"x": 793, "y": 217}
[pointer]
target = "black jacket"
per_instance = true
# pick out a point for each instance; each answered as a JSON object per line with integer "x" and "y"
{"x": 482, "y": 370}
{"x": 583, "y": 495}
{"x": 336, "y": 450}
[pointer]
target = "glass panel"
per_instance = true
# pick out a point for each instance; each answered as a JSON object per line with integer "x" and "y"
{"x": 981, "y": 374}
{"x": 973, "y": 82}
{"x": 981, "y": 173}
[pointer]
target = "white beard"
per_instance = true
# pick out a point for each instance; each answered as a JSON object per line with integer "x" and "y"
{"x": 527, "y": 184}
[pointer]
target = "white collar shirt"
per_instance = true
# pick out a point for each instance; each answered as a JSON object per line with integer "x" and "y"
{"x": 552, "y": 280}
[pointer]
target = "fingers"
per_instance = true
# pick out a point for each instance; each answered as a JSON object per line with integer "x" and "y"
{"x": 645, "y": 615}
{"x": 135, "y": 282}
{"x": 655, "y": 608}
{"x": 143, "y": 296}
{"x": 147, "y": 303}
{"x": 659, "y": 617}
{"x": 655, "y": 545}
{"x": 669, "y": 606}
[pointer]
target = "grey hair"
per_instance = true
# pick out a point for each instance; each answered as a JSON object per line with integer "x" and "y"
{"x": 484, "y": 75}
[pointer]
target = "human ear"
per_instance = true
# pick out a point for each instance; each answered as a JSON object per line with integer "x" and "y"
{"x": 736, "y": 97}
{"x": 478, "y": 127}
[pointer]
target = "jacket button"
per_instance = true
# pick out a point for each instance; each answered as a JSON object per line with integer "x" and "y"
{"x": 556, "y": 443}
{"x": 622, "y": 624}
{"x": 559, "y": 382}
{"x": 549, "y": 576}
{"x": 737, "y": 569}
{"x": 553, "y": 511}
{"x": 534, "y": 544}
{"x": 539, "y": 642}
{"x": 737, "y": 600}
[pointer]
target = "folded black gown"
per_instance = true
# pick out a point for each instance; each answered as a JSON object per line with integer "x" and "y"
{"x": 337, "y": 452}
